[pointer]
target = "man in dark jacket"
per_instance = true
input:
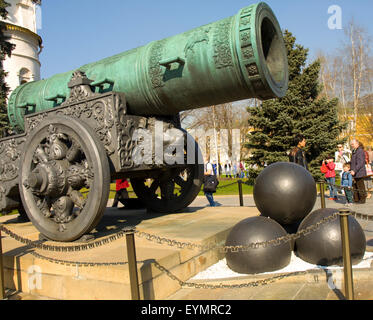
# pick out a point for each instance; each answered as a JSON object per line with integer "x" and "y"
{"x": 358, "y": 171}
{"x": 297, "y": 154}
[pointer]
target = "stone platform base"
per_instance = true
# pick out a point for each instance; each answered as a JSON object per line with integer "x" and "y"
{"x": 48, "y": 273}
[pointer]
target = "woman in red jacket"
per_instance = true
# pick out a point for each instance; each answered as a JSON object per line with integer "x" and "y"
{"x": 330, "y": 177}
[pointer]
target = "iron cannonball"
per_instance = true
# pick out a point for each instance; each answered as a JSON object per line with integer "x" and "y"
{"x": 324, "y": 246}
{"x": 262, "y": 259}
{"x": 285, "y": 192}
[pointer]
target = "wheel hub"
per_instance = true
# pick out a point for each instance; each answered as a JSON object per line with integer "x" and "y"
{"x": 47, "y": 179}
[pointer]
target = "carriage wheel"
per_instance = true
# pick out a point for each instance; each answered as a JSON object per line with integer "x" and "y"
{"x": 173, "y": 189}
{"x": 65, "y": 179}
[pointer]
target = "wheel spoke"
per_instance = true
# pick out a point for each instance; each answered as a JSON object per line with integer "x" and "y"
{"x": 180, "y": 182}
{"x": 63, "y": 208}
{"x": 154, "y": 186}
{"x": 166, "y": 191}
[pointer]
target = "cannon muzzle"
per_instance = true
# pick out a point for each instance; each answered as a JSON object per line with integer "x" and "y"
{"x": 236, "y": 58}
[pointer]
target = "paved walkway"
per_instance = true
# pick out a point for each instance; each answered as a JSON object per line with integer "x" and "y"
{"x": 314, "y": 286}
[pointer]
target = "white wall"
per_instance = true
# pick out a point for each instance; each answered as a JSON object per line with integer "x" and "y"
{"x": 22, "y": 13}
{"x": 24, "y": 64}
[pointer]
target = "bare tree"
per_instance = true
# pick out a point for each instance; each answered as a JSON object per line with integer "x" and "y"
{"x": 347, "y": 74}
{"x": 366, "y": 116}
{"x": 358, "y": 46}
{"x": 225, "y": 116}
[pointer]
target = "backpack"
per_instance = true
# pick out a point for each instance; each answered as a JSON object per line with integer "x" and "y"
{"x": 210, "y": 183}
{"x": 324, "y": 168}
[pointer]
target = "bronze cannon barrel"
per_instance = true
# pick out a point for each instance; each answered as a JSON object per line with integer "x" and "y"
{"x": 236, "y": 58}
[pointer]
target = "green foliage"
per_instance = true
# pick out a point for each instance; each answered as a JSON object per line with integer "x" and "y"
{"x": 5, "y": 50}
{"x": 277, "y": 121}
{"x": 3, "y": 11}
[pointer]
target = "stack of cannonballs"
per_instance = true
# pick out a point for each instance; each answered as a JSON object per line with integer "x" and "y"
{"x": 285, "y": 194}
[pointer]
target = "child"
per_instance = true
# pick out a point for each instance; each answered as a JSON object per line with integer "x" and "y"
{"x": 346, "y": 183}
{"x": 330, "y": 177}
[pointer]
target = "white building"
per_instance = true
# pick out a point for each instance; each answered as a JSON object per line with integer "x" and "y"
{"x": 23, "y": 65}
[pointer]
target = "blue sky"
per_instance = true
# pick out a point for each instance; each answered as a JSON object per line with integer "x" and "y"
{"x": 76, "y": 32}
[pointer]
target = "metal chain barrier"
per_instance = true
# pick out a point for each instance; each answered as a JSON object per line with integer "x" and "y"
{"x": 76, "y": 263}
{"x": 357, "y": 215}
{"x": 153, "y": 238}
{"x": 274, "y": 242}
{"x": 362, "y": 216}
{"x": 227, "y": 185}
{"x": 93, "y": 264}
{"x": 170, "y": 242}
{"x": 226, "y": 286}
{"x": 342, "y": 187}
{"x": 175, "y": 243}
{"x": 81, "y": 247}
{"x": 250, "y": 184}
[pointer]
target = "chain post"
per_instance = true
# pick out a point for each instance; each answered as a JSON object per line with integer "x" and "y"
{"x": 240, "y": 192}
{"x": 2, "y": 284}
{"x": 132, "y": 264}
{"x": 347, "y": 264}
{"x": 322, "y": 194}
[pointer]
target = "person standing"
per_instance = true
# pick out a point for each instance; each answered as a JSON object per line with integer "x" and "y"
{"x": 346, "y": 183}
{"x": 242, "y": 170}
{"x": 234, "y": 170}
{"x": 370, "y": 155}
{"x": 330, "y": 177}
{"x": 228, "y": 170}
{"x": 341, "y": 157}
{"x": 358, "y": 171}
{"x": 297, "y": 154}
{"x": 210, "y": 182}
{"x": 368, "y": 179}
{"x": 220, "y": 168}
{"x": 121, "y": 194}
{"x": 214, "y": 168}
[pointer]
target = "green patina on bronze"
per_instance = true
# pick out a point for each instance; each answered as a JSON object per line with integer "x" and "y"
{"x": 232, "y": 59}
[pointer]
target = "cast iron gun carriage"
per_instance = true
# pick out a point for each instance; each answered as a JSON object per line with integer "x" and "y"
{"x": 75, "y": 131}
